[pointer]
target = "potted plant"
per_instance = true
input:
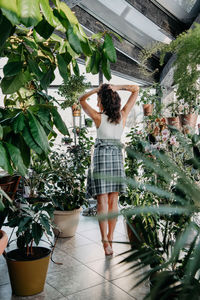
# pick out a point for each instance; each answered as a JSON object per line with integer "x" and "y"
{"x": 28, "y": 264}
{"x": 71, "y": 90}
{"x": 150, "y": 98}
{"x": 88, "y": 122}
{"x": 65, "y": 183}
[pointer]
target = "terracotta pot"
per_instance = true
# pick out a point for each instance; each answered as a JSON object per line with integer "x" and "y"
{"x": 28, "y": 277}
{"x": 135, "y": 242}
{"x": 76, "y": 111}
{"x": 66, "y": 222}
{"x": 3, "y": 241}
{"x": 148, "y": 109}
{"x": 174, "y": 121}
{"x": 189, "y": 119}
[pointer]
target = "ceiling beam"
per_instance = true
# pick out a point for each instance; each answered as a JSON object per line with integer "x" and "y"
{"x": 125, "y": 47}
{"x": 168, "y": 24}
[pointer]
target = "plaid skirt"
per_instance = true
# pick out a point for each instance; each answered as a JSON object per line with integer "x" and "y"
{"x": 106, "y": 173}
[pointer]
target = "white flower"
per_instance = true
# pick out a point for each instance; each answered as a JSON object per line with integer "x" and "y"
{"x": 165, "y": 133}
{"x": 172, "y": 140}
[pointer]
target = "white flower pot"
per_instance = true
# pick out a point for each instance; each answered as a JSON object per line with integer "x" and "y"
{"x": 66, "y": 222}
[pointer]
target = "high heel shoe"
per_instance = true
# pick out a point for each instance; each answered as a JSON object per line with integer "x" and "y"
{"x": 107, "y": 248}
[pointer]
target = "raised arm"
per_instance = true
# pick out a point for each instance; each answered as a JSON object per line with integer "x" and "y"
{"x": 87, "y": 108}
{"x": 134, "y": 89}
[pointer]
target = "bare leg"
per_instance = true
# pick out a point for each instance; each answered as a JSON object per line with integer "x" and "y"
{"x": 102, "y": 208}
{"x": 112, "y": 207}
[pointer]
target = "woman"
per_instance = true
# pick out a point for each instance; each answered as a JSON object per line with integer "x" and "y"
{"x": 105, "y": 179}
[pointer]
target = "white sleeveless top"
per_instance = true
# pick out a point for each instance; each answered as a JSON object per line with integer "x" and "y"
{"x": 108, "y": 130}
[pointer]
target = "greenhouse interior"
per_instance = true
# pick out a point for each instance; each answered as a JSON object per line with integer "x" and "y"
{"x": 99, "y": 149}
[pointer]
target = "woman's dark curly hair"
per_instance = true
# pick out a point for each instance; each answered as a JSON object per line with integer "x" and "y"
{"x": 111, "y": 103}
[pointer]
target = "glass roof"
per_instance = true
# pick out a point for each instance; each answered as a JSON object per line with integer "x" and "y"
{"x": 184, "y": 10}
{"x": 124, "y": 19}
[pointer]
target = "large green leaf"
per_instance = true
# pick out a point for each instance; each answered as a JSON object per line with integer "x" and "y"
{"x": 48, "y": 13}
{"x": 12, "y": 68}
{"x": 4, "y": 159}
{"x": 96, "y": 59}
{"x": 75, "y": 67}
{"x": 18, "y": 123}
{"x": 31, "y": 43}
{"x": 66, "y": 12}
{"x": 83, "y": 41}
{"x": 24, "y": 149}
{"x": 12, "y": 84}
{"x": 44, "y": 29}
{"x": 37, "y": 232}
{"x": 109, "y": 48}
{"x": 33, "y": 66}
{"x": 106, "y": 68}
{"x": 10, "y": 10}
{"x": 16, "y": 158}
{"x": 74, "y": 40}
{"x": 30, "y": 141}
{"x": 29, "y": 12}
{"x": 60, "y": 125}
{"x": 47, "y": 78}
{"x": 62, "y": 65}
{"x": 38, "y": 132}
{"x": 5, "y": 29}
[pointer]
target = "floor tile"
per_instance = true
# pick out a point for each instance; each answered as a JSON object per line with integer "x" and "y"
{"x": 76, "y": 278}
{"x": 126, "y": 283}
{"x": 105, "y": 291}
{"x": 110, "y": 268}
{"x": 72, "y": 242}
{"x": 61, "y": 260}
{"x": 87, "y": 253}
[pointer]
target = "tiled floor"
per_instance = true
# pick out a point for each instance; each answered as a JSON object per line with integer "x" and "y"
{"x": 85, "y": 273}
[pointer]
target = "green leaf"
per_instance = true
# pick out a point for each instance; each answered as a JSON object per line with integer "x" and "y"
{"x": 33, "y": 66}
{"x": 16, "y": 158}
{"x": 24, "y": 149}
{"x": 5, "y": 29}
{"x": 23, "y": 223}
{"x": 38, "y": 132}
{"x": 44, "y": 29}
{"x": 10, "y": 10}
{"x": 48, "y": 13}
{"x": 83, "y": 41}
{"x": 96, "y": 62}
{"x": 66, "y": 12}
{"x": 62, "y": 65}
{"x": 74, "y": 40}
{"x": 1, "y": 132}
{"x": 18, "y": 123}
{"x": 97, "y": 36}
{"x": 45, "y": 223}
{"x": 106, "y": 68}
{"x": 37, "y": 232}
{"x": 75, "y": 67}
{"x": 30, "y": 141}
{"x": 60, "y": 125}
{"x": 38, "y": 38}
{"x": 29, "y": 12}
{"x": 12, "y": 84}
{"x": 12, "y": 68}
{"x": 47, "y": 78}
{"x": 4, "y": 159}
{"x": 109, "y": 49}
{"x": 31, "y": 43}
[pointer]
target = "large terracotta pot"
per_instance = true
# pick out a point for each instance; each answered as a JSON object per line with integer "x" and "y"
{"x": 188, "y": 121}
{"x": 3, "y": 241}
{"x": 66, "y": 222}
{"x": 28, "y": 277}
{"x": 148, "y": 109}
{"x": 174, "y": 121}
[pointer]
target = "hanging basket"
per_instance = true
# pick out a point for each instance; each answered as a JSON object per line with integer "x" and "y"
{"x": 174, "y": 121}
{"x": 148, "y": 109}
{"x": 188, "y": 122}
{"x": 76, "y": 111}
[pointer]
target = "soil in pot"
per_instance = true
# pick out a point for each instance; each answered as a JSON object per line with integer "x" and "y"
{"x": 28, "y": 274}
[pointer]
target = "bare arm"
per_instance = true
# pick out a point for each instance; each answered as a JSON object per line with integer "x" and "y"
{"x": 87, "y": 108}
{"x": 134, "y": 89}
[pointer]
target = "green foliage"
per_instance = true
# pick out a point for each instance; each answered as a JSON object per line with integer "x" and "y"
{"x": 186, "y": 48}
{"x": 32, "y": 221}
{"x": 64, "y": 181}
{"x": 72, "y": 89}
{"x": 152, "y": 95}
